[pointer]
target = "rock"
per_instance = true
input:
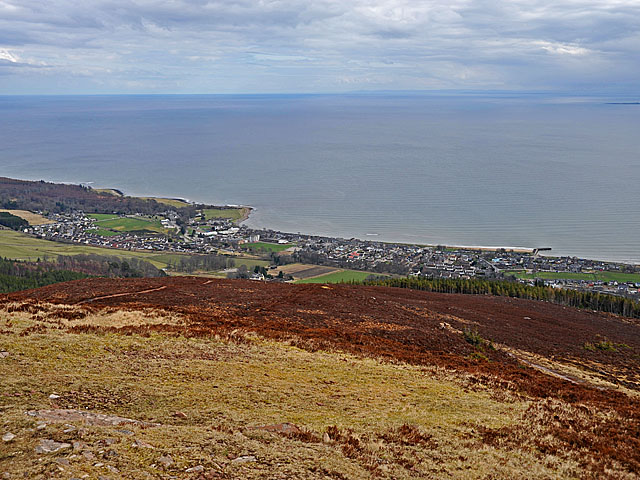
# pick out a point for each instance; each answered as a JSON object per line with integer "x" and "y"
{"x": 180, "y": 415}
{"x": 88, "y": 455}
{"x": 7, "y": 437}
{"x": 62, "y": 461}
{"x": 79, "y": 445}
{"x": 4, "y": 354}
{"x": 112, "y": 469}
{"x": 51, "y": 446}
{"x": 54, "y": 396}
{"x": 197, "y": 468}
{"x": 61, "y": 415}
{"x": 41, "y": 425}
{"x": 326, "y": 438}
{"x": 124, "y": 431}
{"x": 244, "y": 459}
{"x": 165, "y": 460}
{"x": 141, "y": 444}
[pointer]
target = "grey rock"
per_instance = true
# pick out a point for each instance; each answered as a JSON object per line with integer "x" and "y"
{"x": 197, "y": 468}
{"x": 54, "y": 396}
{"x": 62, "y": 461}
{"x": 51, "y": 446}
{"x": 88, "y": 455}
{"x": 79, "y": 445}
{"x": 244, "y": 459}
{"x": 141, "y": 444}
{"x": 4, "y": 354}
{"x": 165, "y": 460}
{"x": 7, "y": 437}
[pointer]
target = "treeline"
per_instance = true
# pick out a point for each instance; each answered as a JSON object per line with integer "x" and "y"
{"x": 12, "y": 221}
{"x": 108, "y": 266}
{"x": 16, "y": 275}
{"x": 571, "y": 298}
{"x": 20, "y": 275}
{"x": 207, "y": 262}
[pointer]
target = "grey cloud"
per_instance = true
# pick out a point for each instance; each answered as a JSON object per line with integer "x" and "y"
{"x": 327, "y": 44}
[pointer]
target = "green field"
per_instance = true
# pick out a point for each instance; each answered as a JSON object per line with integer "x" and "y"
{"x": 127, "y": 224}
{"x": 233, "y": 214}
{"x": 338, "y": 277}
{"x": 102, "y": 232}
{"x": 174, "y": 202}
{"x": 18, "y": 246}
{"x": 268, "y": 247}
{"x": 596, "y": 276}
{"x": 102, "y": 216}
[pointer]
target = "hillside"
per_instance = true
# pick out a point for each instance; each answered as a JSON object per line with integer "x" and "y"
{"x": 241, "y": 379}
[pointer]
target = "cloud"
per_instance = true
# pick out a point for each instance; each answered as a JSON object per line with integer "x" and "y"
{"x": 325, "y": 45}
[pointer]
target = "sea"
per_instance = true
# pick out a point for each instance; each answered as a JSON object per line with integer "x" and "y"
{"x": 463, "y": 168}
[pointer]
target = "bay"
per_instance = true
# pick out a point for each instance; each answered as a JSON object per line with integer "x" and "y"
{"x": 524, "y": 170}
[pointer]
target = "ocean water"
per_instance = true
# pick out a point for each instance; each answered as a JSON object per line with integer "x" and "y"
{"x": 495, "y": 170}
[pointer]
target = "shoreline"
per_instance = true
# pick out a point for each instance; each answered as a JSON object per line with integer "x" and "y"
{"x": 247, "y": 210}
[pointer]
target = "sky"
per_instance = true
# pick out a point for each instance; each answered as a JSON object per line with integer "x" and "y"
{"x": 318, "y": 46}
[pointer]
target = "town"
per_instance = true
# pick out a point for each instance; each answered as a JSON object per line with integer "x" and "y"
{"x": 207, "y": 234}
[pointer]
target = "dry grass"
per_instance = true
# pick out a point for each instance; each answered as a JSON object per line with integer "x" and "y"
{"x": 32, "y": 218}
{"x": 360, "y": 418}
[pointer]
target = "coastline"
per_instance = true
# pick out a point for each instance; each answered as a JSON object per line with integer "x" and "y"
{"x": 247, "y": 210}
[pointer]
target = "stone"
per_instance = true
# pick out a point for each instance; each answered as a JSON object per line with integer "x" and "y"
{"x": 62, "y": 415}
{"x": 141, "y": 444}
{"x": 51, "y": 446}
{"x": 79, "y": 445}
{"x": 244, "y": 459}
{"x": 41, "y": 425}
{"x": 4, "y": 354}
{"x": 197, "y": 468}
{"x": 88, "y": 455}
{"x": 326, "y": 438}
{"x": 54, "y": 396}
{"x": 165, "y": 460}
{"x": 7, "y": 437}
{"x": 180, "y": 415}
{"x": 62, "y": 461}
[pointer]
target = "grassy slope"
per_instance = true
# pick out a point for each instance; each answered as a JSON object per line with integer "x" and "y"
{"x": 233, "y": 214}
{"x": 126, "y": 224}
{"x": 264, "y": 246}
{"x": 224, "y": 386}
{"x": 18, "y": 246}
{"x": 337, "y": 277}
{"x": 602, "y": 276}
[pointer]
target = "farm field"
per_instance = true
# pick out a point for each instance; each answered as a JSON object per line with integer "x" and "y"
{"x": 18, "y": 246}
{"x": 174, "y": 202}
{"x": 103, "y": 232}
{"x": 338, "y": 277}
{"x": 596, "y": 276}
{"x": 102, "y": 216}
{"x": 127, "y": 224}
{"x": 233, "y": 214}
{"x": 32, "y": 218}
{"x": 266, "y": 247}
{"x": 301, "y": 271}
